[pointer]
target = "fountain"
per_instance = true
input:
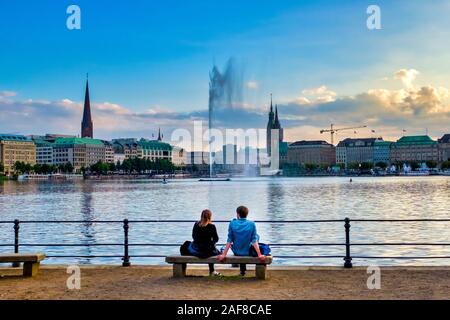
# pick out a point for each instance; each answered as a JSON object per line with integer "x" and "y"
{"x": 224, "y": 90}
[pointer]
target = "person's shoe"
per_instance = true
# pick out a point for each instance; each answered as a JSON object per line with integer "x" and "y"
{"x": 215, "y": 274}
{"x": 242, "y": 274}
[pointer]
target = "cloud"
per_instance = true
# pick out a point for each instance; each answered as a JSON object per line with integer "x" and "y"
{"x": 407, "y": 76}
{"x": 387, "y": 111}
{"x": 317, "y": 95}
{"x": 7, "y": 94}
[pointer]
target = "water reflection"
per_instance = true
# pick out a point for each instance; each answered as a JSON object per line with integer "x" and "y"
{"x": 268, "y": 199}
{"x": 87, "y": 214}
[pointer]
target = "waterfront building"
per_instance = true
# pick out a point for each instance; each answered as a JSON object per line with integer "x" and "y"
{"x": 317, "y": 152}
{"x": 15, "y": 148}
{"x": 109, "y": 151}
{"x": 356, "y": 151}
{"x": 284, "y": 148}
{"x": 382, "y": 152}
{"x": 197, "y": 157}
{"x": 80, "y": 152}
{"x": 155, "y": 149}
{"x": 273, "y": 124}
{"x": 128, "y": 147}
{"x": 119, "y": 158}
{"x": 415, "y": 149}
{"x": 44, "y": 151}
{"x": 179, "y": 156}
{"x": 87, "y": 127}
{"x": 444, "y": 146}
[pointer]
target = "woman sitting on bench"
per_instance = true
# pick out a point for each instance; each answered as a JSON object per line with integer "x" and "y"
{"x": 205, "y": 238}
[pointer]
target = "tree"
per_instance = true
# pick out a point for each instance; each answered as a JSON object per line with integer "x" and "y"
{"x": 311, "y": 166}
{"x": 19, "y": 167}
{"x": 2, "y": 168}
{"x": 353, "y": 166}
{"x": 366, "y": 166}
{"x": 445, "y": 165}
{"x": 381, "y": 165}
{"x": 414, "y": 165}
{"x": 431, "y": 164}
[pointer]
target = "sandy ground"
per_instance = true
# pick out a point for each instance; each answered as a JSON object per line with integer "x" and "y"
{"x": 156, "y": 282}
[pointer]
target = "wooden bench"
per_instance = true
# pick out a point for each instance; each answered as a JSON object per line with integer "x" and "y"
{"x": 180, "y": 262}
{"x": 31, "y": 261}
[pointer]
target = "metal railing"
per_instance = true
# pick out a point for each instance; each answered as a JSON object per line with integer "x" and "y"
{"x": 126, "y": 257}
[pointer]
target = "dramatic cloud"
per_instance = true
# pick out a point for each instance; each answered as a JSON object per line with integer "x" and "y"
{"x": 317, "y": 95}
{"x": 407, "y": 76}
{"x": 387, "y": 112}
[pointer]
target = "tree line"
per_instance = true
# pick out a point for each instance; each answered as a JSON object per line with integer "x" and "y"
{"x": 133, "y": 165}
{"x": 129, "y": 166}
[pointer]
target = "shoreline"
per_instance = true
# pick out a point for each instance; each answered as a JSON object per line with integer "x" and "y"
{"x": 150, "y": 282}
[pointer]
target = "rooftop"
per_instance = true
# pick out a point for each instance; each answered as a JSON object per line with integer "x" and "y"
{"x": 445, "y": 138}
{"x": 309, "y": 143}
{"x": 416, "y": 140}
{"x": 363, "y": 142}
{"x": 383, "y": 143}
{"x": 13, "y": 137}
{"x": 79, "y": 141}
{"x": 154, "y": 144}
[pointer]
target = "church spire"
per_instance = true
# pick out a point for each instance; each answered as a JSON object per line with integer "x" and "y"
{"x": 277, "y": 122}
{"x": 159, "y": 134}
{"x": 86, "y": 124}
{"x": 271, "y": 107}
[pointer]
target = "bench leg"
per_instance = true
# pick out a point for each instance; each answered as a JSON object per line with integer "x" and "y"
{"x": 30, "y": 269}
{"x": 179, "y": 270}
{"x": 260, "y": 272}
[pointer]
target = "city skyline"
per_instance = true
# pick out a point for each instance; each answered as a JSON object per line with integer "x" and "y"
{"x": 332, "y": 69}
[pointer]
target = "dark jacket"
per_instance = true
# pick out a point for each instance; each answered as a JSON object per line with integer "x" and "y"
{"x": 205, "y": 239}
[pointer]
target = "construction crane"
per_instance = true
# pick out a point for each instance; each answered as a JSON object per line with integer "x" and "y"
{"x": 332, "y": 130}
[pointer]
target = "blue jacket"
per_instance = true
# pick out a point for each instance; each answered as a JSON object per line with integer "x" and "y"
{"x": 242, "y": 234}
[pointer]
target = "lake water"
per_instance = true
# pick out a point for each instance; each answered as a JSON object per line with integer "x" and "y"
{"x": 268, "y": 199}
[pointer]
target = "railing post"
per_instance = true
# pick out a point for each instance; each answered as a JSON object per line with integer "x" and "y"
{"x": 16, "y": 241}
{"x": 126, "y": 257}
{"x": 348, "y": 257}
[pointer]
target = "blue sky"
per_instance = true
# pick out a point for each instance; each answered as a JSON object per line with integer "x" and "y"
{"x": 156, "y": 55}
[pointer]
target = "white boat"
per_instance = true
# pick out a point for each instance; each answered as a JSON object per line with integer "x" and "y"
{"x": 415, "y": 173}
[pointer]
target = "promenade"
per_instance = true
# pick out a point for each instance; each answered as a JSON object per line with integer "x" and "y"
{"x": 155, "y": 282}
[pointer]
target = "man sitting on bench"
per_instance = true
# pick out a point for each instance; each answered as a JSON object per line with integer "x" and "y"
{"x": 242, "y": 238}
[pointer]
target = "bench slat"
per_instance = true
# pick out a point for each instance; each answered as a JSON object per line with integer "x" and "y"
{"x": 228, "y": 260}
{"x": 21, "y": 257}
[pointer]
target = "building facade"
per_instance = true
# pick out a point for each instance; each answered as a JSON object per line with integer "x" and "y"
{"x": 382, "y": 152}
{"x": 80, "y": 152}
{"x": 356, "y": 151}
{"x": 15, "y": 148}
{"x": 129, "y": 147}
{"x": 179, "y": 156}
{"x": 44, "y": 152}
{"x": 415, "y": 149}
{"x": 109, "y": 151}
{"x": 154, "y": 150}
{"x": 311, "y": 152}
{"x": 197, "y": 157}
{"x": 444, "y": 146}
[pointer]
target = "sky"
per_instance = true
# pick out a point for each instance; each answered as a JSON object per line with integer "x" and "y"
{"x": 149, "y": 64}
